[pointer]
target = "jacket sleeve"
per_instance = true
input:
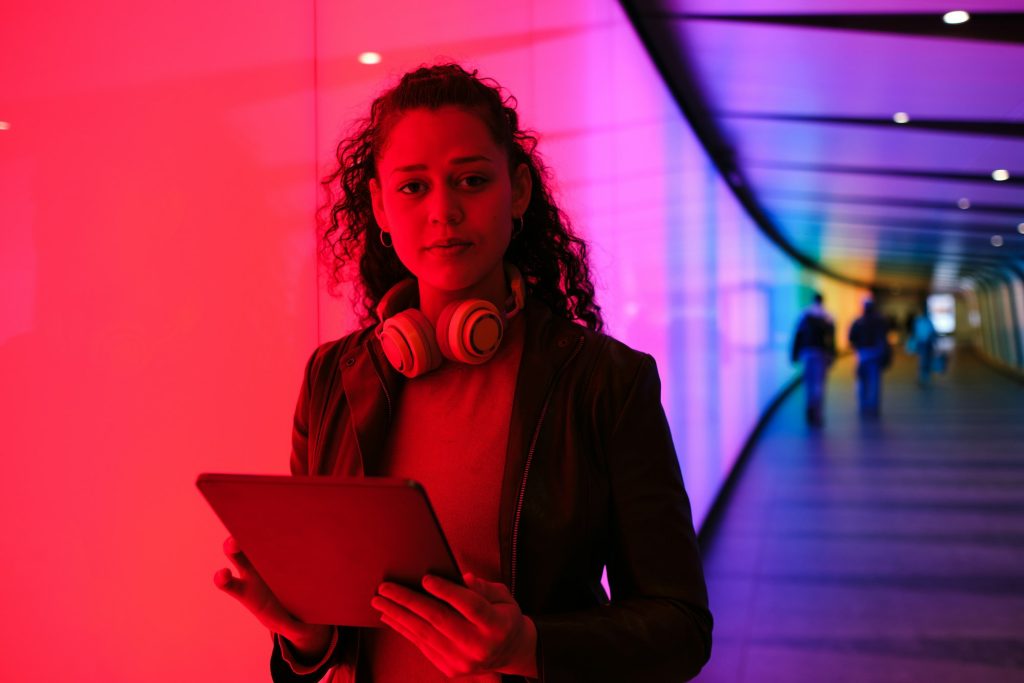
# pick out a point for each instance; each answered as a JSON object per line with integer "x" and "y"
{"x": 284, "y": 666}
{"x": 657, "y": 626}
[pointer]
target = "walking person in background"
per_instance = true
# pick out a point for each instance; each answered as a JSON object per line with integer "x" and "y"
{"x": 814, "y": 345}
{"x": 923, "y": 342}
{"x": 869, "y": 336}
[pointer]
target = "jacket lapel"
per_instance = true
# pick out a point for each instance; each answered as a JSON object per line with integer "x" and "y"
{"x": 547, "y": 345}
{"x": 371, "y": 390}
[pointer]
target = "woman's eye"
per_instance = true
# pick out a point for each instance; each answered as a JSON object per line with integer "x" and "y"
{"x": 411, "y": 187}
{"x": 473, "y": 180}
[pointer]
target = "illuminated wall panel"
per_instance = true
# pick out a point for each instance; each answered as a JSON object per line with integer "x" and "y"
{"x": 998, "y": 300}
{"x": 158, "y": 304}
{"x": 1017, "y": 314}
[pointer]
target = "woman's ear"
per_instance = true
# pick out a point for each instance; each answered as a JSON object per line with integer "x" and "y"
{"x": 377, "y": 202}
{"x": 522, "y": 186}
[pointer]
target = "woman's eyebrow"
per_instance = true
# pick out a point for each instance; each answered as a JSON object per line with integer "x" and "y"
{"x": 469, "y": 160}
{"x": 457, "y": 160}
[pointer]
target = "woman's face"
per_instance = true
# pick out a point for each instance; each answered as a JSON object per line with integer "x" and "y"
{"x": 444, "y": 193}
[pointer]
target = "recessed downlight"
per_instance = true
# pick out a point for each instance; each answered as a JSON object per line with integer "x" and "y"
{"x": 964, "y": 203}
{"x": 369, "y": 58}
{"x": 956, "y": 17}
{"x": 901, "y": 117}
{"x": 1000, "y": 174}
{"x": 1020, "y": 228}
{"x": 997, "y": 241}
{"x": 4, "y": 125}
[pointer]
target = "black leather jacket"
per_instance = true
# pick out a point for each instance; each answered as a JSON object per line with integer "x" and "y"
{"x": 591, "y": 479}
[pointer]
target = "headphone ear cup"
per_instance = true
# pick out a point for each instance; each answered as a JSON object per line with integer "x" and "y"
{"x": 469, "y": 331}
{"x": 408, "y": 342}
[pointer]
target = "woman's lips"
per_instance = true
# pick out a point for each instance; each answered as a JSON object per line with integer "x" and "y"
{"x": 449, "y": 246}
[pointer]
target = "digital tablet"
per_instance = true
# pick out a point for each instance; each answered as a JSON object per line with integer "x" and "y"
{"x": 324, "y": 544}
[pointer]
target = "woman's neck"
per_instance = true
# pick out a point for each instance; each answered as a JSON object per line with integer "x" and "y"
{"x": 493, "y": 288}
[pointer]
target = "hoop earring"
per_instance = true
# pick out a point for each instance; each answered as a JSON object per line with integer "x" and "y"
{"x": 386, "y": 244}
{"x": 517, "y": 230}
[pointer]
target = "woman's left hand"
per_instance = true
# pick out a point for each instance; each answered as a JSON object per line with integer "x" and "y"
{"x": 474, "y": 629}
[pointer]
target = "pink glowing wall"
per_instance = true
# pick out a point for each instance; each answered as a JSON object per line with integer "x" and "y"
{"x": 158, "y": 303}
{"x": 160, "y": 293}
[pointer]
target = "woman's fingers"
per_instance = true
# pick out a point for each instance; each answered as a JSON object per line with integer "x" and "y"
{"x": 492, "y": 591}
{"x": 436, "y": 657}
{"x": 451, "y": 649}
{"x": 460, "y": 623}
{"x": 224, "y": 580}
{"x": 238, "y": 558}
{"x": 471, "y": 604}
{"x": 231, "y": 547}
{"x": 475, "y": 628}
{"x": 244, "y": 588}
{"x": 247, "y": 574}
{"x": 250, "y": 590}
{"x": 398, "y": 602}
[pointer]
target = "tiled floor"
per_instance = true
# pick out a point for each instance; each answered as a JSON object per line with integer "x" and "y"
{"x": 878, "y": 551}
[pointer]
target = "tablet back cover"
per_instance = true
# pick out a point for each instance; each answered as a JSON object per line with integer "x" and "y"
{"x": 324, "y": 544}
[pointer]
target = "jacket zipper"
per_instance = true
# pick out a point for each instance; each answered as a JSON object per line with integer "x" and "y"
{"x": 529, "y": 460}
{"x": 380, "y": 378}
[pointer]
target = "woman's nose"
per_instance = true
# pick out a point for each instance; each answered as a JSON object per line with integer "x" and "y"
{"x": 445, "y": 207}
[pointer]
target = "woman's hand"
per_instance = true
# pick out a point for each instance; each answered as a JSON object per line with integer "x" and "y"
{"x": 472, "y": 630}
{"x": 310, "y": 640}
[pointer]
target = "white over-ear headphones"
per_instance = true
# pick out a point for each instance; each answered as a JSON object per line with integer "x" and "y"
{"x": 467, "y": 331}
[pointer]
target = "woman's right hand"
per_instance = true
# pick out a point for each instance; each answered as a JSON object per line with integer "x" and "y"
{"x": 309, "y": 640}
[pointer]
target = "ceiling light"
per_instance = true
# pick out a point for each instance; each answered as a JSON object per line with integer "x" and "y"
{"x": 369, "y": 58}
{"x": 901, "y": 117}
{"x": 956, "y": 17}
{"x": 1000, "y": 174}
{"x": 964, "y": 203}
{"x": 1020, "y": 228}
{"x": 4, "y": 125}
{"x": 996, "y": 241}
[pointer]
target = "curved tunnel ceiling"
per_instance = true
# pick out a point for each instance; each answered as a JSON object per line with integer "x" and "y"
{"x": 796, "y": 101}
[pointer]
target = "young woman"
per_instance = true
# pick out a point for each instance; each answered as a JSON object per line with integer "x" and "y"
{"x": 541, "y": 442}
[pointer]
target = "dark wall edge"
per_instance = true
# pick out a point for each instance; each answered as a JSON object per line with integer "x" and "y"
{"x": 706, "y": 533}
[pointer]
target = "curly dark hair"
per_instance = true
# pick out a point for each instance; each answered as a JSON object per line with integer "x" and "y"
{"x": 552, "y": 259}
